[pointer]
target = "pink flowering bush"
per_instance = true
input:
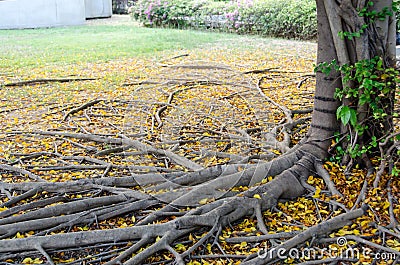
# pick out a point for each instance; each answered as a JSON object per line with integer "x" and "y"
{"x": 276, "y": 18}
{"x": 170, "y": 13}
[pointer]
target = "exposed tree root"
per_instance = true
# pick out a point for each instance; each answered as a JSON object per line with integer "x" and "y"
{"x": 219, "y": 212}
{"x": 148, "y": 193}
{"x": 214, "y": 183}
{"x": 50, "y": 80}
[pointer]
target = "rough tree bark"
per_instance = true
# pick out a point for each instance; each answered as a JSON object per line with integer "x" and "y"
{"x": 376, "y": 38}
{"x": 187, "y": 189}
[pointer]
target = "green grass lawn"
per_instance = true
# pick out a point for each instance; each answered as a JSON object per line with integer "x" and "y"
{"x": 33, "y": 47}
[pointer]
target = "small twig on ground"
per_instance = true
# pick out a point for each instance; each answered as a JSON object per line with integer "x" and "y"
{"x": 325, "y": 261}
{"x": 200, "y": 67}
{"x": 361, "y": 196}
{"x": 302, "y": 111}
{"x": 321, "y": 171}
{"x": 284, "y": 109}
{"x": 44, "y": 253}
{"x": 219, "y": 256}
{"x": 255, "y": 239}
{"x": 260, "y": 220}
{"x": 306, "y": 77}
{"x": 82, "y": 107}
{"x": 87, "y": 148}
{"x": 169, "y": 101}
{"x": 259, "y": 71}
{"x": 128, "y": 252}
{"x": 175, "y": 57}
{"x": 138, "y": 83}
{"x": 385, "y": 156}
{"x": 393, "y": 221}
{"x": 385, "y": 230}
{"x": 21, "y": 171}
{"x": 21, "y": 197}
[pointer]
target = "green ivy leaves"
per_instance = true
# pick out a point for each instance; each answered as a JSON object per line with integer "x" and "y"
{"x": 370, "y": 16}
{"x": 364, "y": 82}
{"x": 346, "y": 115}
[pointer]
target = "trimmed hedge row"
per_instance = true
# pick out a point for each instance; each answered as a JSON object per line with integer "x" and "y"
{"x": 294, "y": 19}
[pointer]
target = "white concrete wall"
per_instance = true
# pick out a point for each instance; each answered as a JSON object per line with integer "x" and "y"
{"x": 41, "y": 13}
{"x": 98, "y": 8}
{"x": 398, "y": 52}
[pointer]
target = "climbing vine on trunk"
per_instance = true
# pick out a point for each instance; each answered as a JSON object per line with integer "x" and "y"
{"x": 369, "y": 79}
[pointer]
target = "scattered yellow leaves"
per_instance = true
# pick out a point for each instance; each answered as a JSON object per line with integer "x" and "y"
{"x": 317, "y": 192}
{"x": 257, "y": 196}
{"x": 206, "y": 200}
{"x": 32, "y": 261}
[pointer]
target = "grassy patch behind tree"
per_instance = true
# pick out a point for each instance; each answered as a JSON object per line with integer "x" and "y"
{"x": 34, "y": 47}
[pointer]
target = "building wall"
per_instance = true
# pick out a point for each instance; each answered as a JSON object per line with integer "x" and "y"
{"x": 50, "y": 13}
{"x": 98, "y": 8}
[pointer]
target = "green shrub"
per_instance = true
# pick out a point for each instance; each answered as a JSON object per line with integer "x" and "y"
{"x": 171, "y": 13}
{"x": 276, "y": 18}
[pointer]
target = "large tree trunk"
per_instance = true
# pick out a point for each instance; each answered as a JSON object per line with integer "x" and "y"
{"x": 375, "y": 39}
{"x": 324, "y": 122}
